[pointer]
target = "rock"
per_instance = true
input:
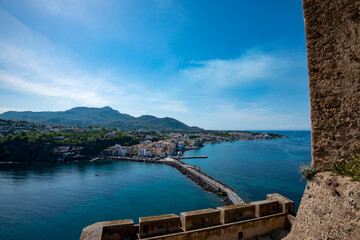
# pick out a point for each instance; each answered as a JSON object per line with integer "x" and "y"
{"x": 331, "y": 213}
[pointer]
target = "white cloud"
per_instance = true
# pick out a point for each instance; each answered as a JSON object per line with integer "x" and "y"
{"x": 171, "y": 106}
{"x": 220, "y": 73}
{"x": 253, "y": 112}
{"x": 30, "y": 64}
{"x": 85, "y": 12}
{"x": 5, "y": 109}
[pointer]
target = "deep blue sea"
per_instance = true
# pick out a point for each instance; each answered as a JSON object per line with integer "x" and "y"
{"x": 55, "y": 201}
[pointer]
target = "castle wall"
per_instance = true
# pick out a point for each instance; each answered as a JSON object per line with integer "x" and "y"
{"x": 285, "y": 204}
{"x": 329, "y": 208}
{"x": 222, "y": 223}
{"x": 236, "y": 213}
{"x": 333, "y": 51}
{"x": 199, "y": 219}
{"x": 265, "y": 207}
{"x": 159, "y": 225}
{"x": 243, "y": 230}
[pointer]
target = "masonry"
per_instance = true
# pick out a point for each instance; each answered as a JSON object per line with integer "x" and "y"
{"x": 333, "y": 51}
{"x": 244, "y": 221}
{"x": 330, "y": 207}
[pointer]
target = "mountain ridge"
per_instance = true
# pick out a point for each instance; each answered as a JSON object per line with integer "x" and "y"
{"x": 105, "y": 116}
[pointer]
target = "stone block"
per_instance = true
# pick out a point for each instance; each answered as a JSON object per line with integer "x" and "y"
{"x": 159, "y": 225}
{"x": 235, "y": 213}
{"x": 286, "y": 205}
{"x": 199, "y": 219}
{"x": 110, "y": 230}
{"x": 266, "y": 207}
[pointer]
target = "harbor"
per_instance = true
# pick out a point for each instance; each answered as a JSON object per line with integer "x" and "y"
{"x": 207, "y": 183}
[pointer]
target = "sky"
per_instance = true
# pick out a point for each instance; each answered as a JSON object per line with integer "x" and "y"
{"x": 224, "y": 65}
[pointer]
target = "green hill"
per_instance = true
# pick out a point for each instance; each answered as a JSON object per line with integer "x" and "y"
{"x": 105, "y": 116}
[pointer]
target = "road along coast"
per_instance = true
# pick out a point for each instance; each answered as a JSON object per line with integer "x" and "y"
{"x": 207, "y": 183}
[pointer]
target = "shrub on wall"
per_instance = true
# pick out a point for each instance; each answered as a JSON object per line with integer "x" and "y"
{"x": 308, "y": 171}
{"x": 349, "y": 167}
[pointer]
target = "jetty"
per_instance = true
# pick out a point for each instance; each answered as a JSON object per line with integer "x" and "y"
{"x": 206, "y": 182}
{"x": 192, "y": 157}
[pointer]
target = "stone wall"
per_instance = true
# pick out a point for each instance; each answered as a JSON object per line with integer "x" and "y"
{"x": 244, "y": 230}
{"x": 333, "y": 50}
{"x": 330, "y": 205}
{"x": 158, "y": 225}
{"x": 200, "y": 224}
{"x": 329, "y": 209}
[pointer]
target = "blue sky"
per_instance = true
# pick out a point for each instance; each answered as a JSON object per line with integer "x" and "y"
{"x": 213, "y": 64}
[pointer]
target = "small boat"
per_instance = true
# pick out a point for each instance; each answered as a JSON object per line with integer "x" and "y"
{"x": 97, "y": 174}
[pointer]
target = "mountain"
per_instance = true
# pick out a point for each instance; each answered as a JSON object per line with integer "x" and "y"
{"x": 105, "y": 116}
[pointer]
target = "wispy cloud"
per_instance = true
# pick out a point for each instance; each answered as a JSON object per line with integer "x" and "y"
{"x": 224, "y": 73}
{"x": 5, "y": 109}
{"x": 171, "y": 106}
{"x": 84, "y": 12}
{"x": 31, "y": 64}
{"x": 34, "y": 65}
{"x": 253, "y": 112}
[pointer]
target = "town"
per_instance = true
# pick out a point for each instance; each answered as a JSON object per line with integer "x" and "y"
{"x": 68, "y": 143}
{"x": 175, "y": 144}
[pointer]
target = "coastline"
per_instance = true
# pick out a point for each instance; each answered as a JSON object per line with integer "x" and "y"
{"x": 86, "y": 157}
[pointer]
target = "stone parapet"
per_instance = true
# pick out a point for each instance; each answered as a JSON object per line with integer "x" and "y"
{"x": 199, "y": 219}
{"x": 242, "y": 221}
{"x": 286, "y": 205}
{"x": 159, "y": 225}
{"x": 235, "y": 213}
{"x": 266, "y": 207}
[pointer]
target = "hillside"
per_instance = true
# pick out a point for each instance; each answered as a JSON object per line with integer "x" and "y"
{"x": 105, "y": 116}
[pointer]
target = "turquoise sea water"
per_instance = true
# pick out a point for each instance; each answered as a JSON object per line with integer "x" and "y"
{"x": 55, "y": 201}
{"x": 256, "y": 168}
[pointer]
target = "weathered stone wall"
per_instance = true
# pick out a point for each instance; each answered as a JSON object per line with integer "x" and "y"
{"x": 333, "y": 50}
{"x": 236, "y": 213}
{"x": 245, "y": 230}
{"x": 159, "y": 225}
{"x": 329, "y": 209}
{"x": 199, "y": 219}
{"x": 200, "y": 224}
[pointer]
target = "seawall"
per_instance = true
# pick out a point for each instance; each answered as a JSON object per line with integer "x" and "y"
{"x": 206, "y": 182}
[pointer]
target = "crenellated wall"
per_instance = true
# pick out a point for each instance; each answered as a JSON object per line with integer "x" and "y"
{"x": 333, "y": 52}
{"x": 244, "y": 221}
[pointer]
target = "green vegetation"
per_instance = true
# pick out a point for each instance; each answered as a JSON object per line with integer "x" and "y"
{"x": 194, "y": 136}
{"x": 349, "y": 167}
{"x": 308, "y": 171}
{"x": 41, "y": 146}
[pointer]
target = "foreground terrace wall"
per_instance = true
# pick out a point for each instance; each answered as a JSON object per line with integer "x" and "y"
{"x": 333, "y": 49}
{"x": 232, "y": 222}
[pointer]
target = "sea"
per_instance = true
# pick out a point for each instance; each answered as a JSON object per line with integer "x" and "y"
{"x": 55, "y": 201}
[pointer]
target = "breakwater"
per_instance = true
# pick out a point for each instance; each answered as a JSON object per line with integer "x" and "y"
{"x": 192, "y": 157}
{"x": 207, "y": 183}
